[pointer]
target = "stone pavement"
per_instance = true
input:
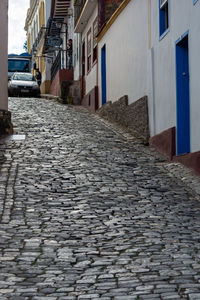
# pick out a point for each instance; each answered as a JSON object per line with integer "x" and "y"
{"x": 88, "y": 212}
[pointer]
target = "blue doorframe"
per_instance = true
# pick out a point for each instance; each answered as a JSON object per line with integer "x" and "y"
{"x": 103, "y": 74}
{"x": 183, "y": 95}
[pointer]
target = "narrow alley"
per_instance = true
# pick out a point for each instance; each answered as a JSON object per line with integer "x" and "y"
{"x": 88, "y": 212}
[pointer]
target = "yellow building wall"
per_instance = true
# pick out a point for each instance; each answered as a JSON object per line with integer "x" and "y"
{"x": 41, "y": 15}
{"x": 29, "y": 43}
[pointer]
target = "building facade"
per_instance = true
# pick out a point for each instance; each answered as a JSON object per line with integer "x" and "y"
{"x": 36, "y": 23}
{"x": 86, "y": 25}
{"x": 175, "y": 106}
{"x": 123, "y": 65}
{"x": 60, "y": 28}
{"x": 5, "y": 116}
{"x": 90, "y": 17}
{"x": 135, "y": 59}
{"x": 154, "y": 64}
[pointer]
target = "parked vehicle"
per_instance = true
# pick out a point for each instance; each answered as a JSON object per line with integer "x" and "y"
{"x": 19, "y": 63}
{"x": 23, "y": 84}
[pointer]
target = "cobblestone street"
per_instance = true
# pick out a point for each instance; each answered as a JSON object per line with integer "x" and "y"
{"x": 88, "y": 212}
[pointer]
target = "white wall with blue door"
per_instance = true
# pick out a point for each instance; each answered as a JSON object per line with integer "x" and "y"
{"x": 183, "y": 19}
{"x": 126, "y": 54}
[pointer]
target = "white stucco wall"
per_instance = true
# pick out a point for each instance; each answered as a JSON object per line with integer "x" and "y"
{"x": 4, "y": 54}
{"x": 91, "y": 77}
{"x": 77, "y": 56}
{"x": 183, "y": 16}
{"x": 47, "y": 10}
{"x": 126, "y": 54}
{"x": 139, "y": 63}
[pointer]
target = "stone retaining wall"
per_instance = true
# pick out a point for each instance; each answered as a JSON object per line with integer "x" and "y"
{"x": 133, "y": 116}
{"x": 71, "y": 92}
{"x": 6, "y": 126}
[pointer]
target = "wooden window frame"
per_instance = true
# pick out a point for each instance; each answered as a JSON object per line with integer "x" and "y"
{"x": 95, "y": 44}
{"x": 89, "y": 53}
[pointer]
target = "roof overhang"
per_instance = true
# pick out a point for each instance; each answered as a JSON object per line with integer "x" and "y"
{"x": 85, "y": 14}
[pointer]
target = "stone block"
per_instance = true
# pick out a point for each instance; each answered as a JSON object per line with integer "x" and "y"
{"x": 70, "y": 92}
{"x": 134, "y": 116}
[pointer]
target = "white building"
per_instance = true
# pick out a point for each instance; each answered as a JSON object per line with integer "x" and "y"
{"x": 86, "y": 28}
{"x": 152, "y": 50}
{"x": 5, "y": 116}
{"x": 124, "y": 42}
{"x": 4, "y": 55}
{"x": 175, "y": 47}
{"x": 90, "y": 16}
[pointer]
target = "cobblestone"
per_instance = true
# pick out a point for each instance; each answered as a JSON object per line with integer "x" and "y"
{"x": 89, "y": 212}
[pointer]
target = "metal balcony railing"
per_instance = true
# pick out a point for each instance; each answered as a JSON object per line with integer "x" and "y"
{"x": 62, "y": 62}
{"x": 38, "y": 39}
{"x": 56, "y": 66}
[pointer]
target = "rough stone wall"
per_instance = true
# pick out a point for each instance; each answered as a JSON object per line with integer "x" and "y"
{"x": 75, "y": 92}
{"x": 134, "y": 116}
{"x": 70, "y": 92}
{"x": 6, "y": 126}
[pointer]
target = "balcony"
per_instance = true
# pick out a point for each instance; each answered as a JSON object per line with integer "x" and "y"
{"x": 61, "y": 75}
{"x": 82, "y": 12}
{"x": 61, "y": 65}
{"x": 38, "y": 39}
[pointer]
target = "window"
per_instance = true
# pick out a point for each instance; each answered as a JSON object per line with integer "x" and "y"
{"x": 95, "y": 31}
{"x": 164, "y": 17}
{"x": 89, "y": 50}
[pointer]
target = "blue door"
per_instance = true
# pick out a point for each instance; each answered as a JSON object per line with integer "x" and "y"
{"x": 183, "y": 96}
{"x": 103, "y": 74}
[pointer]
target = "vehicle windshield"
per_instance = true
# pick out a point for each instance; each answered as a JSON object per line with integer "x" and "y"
{"x": 24, "y": 77}
{"x": 17, "y": 65}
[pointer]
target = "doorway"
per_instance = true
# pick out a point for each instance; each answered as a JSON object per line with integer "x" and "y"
{"x": 83, "y": 83}
{"x": 103, "y": 74}
{"x": 183, "y": 95}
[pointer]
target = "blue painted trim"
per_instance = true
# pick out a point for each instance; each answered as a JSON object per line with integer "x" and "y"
{"x": 187, "y": 142}
{"x": 103, "y": 75}
{"x": 182, "y": 36}
{"x": 194, "y": 2}
{"x": 164, "y": 34}
{"x": 162, "y": 31}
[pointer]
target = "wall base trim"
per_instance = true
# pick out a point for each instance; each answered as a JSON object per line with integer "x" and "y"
{"x": 90, "y": 101}
{"x": 165, "y": 142}
{"x": 62, "y": 75}
{"x": 190, "y": 160}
